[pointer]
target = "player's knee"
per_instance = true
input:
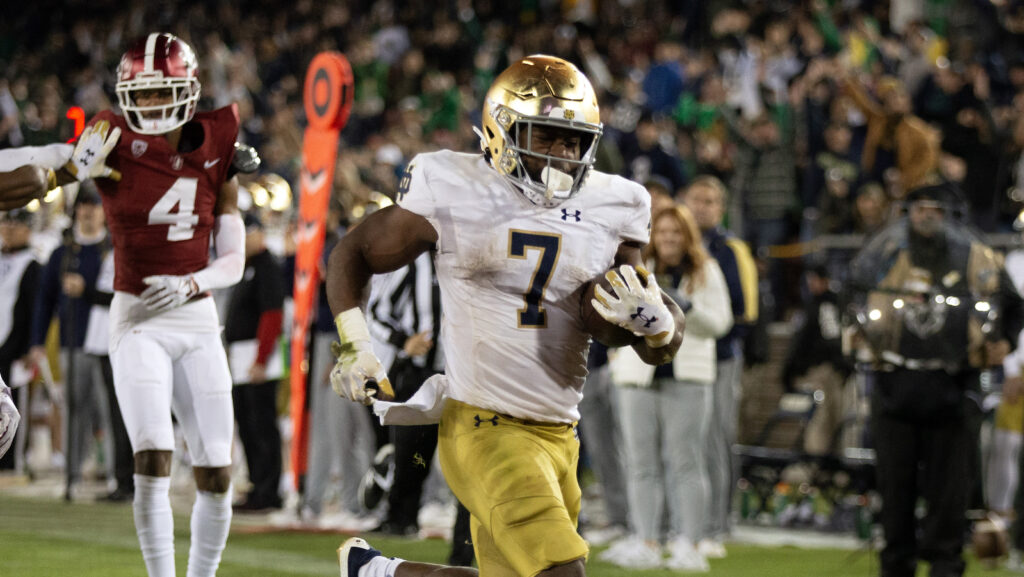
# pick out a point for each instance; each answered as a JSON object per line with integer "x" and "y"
{"x": 573, "y": 568}
{"x": 153, "y": 463}
{"x": 212, "y": 479}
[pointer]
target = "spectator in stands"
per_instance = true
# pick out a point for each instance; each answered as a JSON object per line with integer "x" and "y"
{"x": 831, "y": 181}
{"x": 67, "y": 279}
{"x": 121, "y": 465}
{"x": 895, "y": 136}
{"x": 600, "y": 423}
{"x": 706, "y": 199}
{"x": 765, "y": 180}
{"x": 816, "y": 358}
{"x": 871, "y": 209}
{"x": 666, "y": 410}
{"x": 666, "y": 77}
{"x": 252, "y": 328}
{"x": 661, "y": 194}
{"x": 645, "y": 156}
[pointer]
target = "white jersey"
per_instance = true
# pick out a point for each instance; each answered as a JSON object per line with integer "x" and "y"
{"x": 509, "y": 273}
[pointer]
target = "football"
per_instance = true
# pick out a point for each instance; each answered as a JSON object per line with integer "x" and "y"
{"x": 604, "y": 332}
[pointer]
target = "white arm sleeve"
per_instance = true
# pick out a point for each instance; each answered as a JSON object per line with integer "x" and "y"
{"x": 229, "y": 243}
{"x": 50, "y": 156}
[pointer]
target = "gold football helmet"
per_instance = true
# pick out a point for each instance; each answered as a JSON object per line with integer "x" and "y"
{"x": 548, "y": 91}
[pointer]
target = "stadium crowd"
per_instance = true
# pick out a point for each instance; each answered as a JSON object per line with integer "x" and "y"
{"x": 817, "y": 116}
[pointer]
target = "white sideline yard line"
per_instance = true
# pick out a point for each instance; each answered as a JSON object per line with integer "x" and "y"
{"x": 804, "y": 539}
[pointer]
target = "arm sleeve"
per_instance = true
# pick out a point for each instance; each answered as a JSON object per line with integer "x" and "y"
{"x": 51, "y": 156}
{"x": 229, "y": 242}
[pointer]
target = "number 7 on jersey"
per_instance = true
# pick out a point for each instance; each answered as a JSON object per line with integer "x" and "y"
{"x": 532, "y": 315}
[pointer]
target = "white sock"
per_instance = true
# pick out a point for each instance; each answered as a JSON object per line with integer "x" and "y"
{"x": 211, "y": 520}
{"x": 380, "y": 566}
{"x": 154, "y": 524}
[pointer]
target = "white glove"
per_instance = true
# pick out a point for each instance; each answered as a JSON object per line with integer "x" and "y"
{"x": 89, "y": 160}
{"x": 635, "y": 306}
{"x": 358, "y": 375}
{"x": 9, "y": 419}
{"x": 167, "y": 292}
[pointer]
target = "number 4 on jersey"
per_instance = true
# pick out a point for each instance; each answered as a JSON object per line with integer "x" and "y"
{"x": 181, "y": 195}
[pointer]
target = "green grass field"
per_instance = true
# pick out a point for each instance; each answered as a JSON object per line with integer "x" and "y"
{"x": 50, "y": 538}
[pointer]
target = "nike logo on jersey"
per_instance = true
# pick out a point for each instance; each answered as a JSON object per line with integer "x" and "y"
{"x": 313, "y": 182}
{"x": 210, "y": 163}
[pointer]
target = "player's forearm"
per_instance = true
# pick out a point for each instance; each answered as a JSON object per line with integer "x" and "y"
{"x": 22, "y": 185}
{"x": 52, "y": 156}
{"x": 348, "y": 273}
{"x": 229, "y": 242}
{"x": 664, "y": 354}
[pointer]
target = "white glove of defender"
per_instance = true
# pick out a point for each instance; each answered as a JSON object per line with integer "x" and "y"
{"x": 9, "y": 419}
{"x": 167, "y": 292}
{"x": 89, "y": 160}
{"x": 634, "y": 306}
{"x": 358, "y": 375}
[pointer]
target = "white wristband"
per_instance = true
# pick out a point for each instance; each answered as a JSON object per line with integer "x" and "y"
{"x": 352, "y": 326}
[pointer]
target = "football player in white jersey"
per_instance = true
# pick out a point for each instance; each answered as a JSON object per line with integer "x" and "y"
{"x": 516, "y": 233}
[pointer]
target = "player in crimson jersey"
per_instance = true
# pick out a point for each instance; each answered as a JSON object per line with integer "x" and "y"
{"x": 166, "y": 176}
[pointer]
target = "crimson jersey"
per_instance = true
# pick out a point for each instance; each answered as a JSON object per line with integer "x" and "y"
{"x": 160, "y": 214}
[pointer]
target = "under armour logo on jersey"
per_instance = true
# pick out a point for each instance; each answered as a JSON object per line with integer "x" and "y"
{"x": 493, "y": 420}
{"x": 639, "y": 314}
{"x": 566, "y": 215}
{"x": 139, "y": 147}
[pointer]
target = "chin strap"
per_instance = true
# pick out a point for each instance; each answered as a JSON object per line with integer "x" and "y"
{"x": 483, "y": 141}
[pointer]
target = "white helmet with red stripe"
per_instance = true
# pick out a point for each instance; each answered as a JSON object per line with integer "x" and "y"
{"x": 165, "y": 64}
